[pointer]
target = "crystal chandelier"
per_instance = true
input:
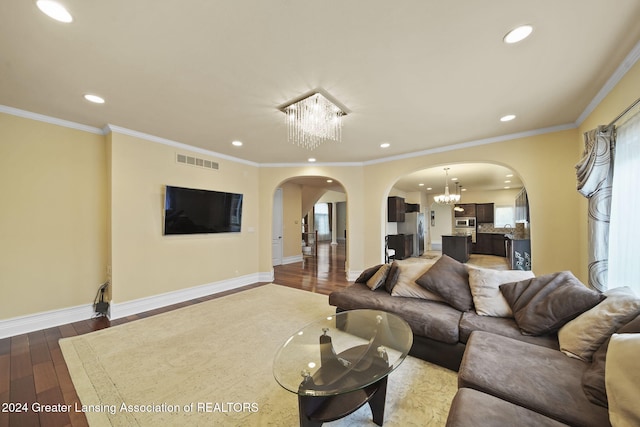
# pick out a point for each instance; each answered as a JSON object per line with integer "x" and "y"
{"x": 312, "y": 120}
{"x": 446, "y": 198}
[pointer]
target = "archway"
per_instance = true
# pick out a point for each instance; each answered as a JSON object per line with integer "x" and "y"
{"x": 498, "y": 207}
{"x": 302, "y": 231}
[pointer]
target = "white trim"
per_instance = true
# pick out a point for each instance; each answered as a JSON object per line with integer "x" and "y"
{"x": 127, "y": 308}
{"x": 113, "y": 128}
{"x": 474, "y": 143}
{"x": 48, "y": 319}
{"x": 353, "y": 275}
{"x": 292, "y": 259}
{"x": 615, "y": 78}
{"x": 300, "y": 165}
{"x": 51, "y": 120}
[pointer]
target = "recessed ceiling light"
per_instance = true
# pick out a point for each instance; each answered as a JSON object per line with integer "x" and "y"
{"x": 421, "y": 185}
{"x": 329, "y": 181}
{"x": 385, "y": 145}
{"x": 429, "y": 188}
{"x": 311, "y": 160}
{"x": 463, "y": 189}
{"x": 507, "y": 118}
{"x": 54, "y": 10}
{"x": 507, "y": 187}
{"x": 518, "y": 34}
{"x": 237, "y": 143}
{"x": 94, "y": 98}
{"x": 509, "y": 175}
{"x": 507, "y": 181}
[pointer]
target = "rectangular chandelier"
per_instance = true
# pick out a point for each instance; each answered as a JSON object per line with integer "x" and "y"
{"x": 312, "y": 120}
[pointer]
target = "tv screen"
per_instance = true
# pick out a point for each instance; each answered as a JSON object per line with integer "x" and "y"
{"x": 191, "y": 211}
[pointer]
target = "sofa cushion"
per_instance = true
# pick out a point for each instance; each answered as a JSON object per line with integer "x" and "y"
{"x": 379, "y": 278}
{"x": 471, "y": 322}
{"x": 449, "y": 279}
{"x": 406, "y": 285}
{"x": 485, "y": 289}
{"x": 535, "y": 377}
{"x": 544, "y": 304}
{"x": 622, "y": 380}
{"x": 392, "y": 277}
{"x": 582, "y": 336}
{"x": 471, "y": 408}
{"x": 366, "y": 274}
{"x": 426, "y": 318}
{"x": 593, "y": 379}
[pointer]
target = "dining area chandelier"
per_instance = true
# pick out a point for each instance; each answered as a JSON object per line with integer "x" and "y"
{"x": 447, "y": 198}
{"x": 312, "y": 120}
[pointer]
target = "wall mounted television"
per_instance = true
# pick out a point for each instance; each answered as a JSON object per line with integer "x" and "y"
{"x": 193, "y": 211}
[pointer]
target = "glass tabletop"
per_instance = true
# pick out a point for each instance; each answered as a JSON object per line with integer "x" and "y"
{"x": 342, "y": 353}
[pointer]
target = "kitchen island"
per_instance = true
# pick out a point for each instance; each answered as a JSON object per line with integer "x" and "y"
{"x": 457, "y": 246}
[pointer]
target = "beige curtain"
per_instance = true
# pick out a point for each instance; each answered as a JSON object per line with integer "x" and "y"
{"x": 595, "y": 176}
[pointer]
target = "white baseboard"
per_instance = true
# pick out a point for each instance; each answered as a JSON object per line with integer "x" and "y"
{"x": 35, "y": 322}
{"x": 49, "y": 319}
{"x": 353, "y": 275}
{"x": 292, "y": 259}
{"x": 127, "y": 308}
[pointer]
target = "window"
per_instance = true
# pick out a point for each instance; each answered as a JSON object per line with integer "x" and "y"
{"x": 504, "y": 215}
{"x": 321, "y": 221}
{"x": 624, "y": 231}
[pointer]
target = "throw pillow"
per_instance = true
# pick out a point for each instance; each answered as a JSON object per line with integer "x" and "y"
{"x": 593, "y": 377}
{"x": 449, "y": 279}
{"x": 582, "y": 336}
{"x": 406, "y": 285}
{"x": 378, "y": 278}
{"x": 392, "y": 277}
{"x": 484, "y": 284}
{"x": 542, "y": 305}
{"x": 366, "y": 275}
{"x": 622, "y": 377}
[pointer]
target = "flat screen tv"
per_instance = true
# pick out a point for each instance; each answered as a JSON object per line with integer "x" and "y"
{"x": 192, "y": 211}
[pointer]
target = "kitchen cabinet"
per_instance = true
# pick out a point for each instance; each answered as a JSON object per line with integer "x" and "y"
{"x": 457, "y": 247}
{"x": 468, "y": 210}
{"x": 395, "y": 209}
{"x": 412, "y": 207}
{"x": 490, "y": 244}
{"x": 484, "y": 213}
{"x": 402, "y": 244}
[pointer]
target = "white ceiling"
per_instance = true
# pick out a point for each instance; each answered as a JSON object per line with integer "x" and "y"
{"x": 418, "y": 74}
{"x": 474, "y": 177}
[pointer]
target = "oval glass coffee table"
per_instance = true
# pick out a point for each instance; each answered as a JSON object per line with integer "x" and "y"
{"x": 338, "y": 363}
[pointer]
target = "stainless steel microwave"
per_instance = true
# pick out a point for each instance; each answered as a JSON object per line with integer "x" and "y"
{"x": 465, "y": 222}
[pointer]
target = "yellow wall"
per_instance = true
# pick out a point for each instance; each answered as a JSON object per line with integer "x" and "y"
{"x": 74, "y": 202}
{"x": 146, "y": 263}
{"x": 53, "y": 216}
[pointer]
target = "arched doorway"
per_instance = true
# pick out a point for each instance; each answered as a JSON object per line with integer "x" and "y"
{"x": 314, "y": 232}
{"x": 497, "y": 208}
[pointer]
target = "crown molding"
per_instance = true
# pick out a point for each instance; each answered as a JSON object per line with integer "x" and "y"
{"x": 113, "y": 128}
{"x": 628, "y": 62}
{"x": 48, "y": 119}
{"x": 474, "y": 143}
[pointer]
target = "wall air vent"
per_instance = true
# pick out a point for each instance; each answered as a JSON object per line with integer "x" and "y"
{"x": 196, "y": 161}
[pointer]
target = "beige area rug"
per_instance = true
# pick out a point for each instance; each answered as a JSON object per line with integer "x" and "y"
{"x": 211, "y": 364}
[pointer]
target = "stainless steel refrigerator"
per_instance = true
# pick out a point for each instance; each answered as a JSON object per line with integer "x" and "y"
{"x": 414, "y": 224}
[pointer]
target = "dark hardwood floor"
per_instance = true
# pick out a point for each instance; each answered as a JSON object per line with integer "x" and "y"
{"x": 33, "y": 371}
